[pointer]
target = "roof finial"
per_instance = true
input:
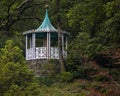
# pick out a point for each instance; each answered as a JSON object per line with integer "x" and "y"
{"x": 46, "y": 6}
{"x": 46, "y": 24}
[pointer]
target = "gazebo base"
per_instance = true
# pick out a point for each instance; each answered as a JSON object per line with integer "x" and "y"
{"x": 42, "y": 68}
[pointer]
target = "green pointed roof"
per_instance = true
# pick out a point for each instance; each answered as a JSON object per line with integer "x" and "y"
{"x": 46, "y": 25}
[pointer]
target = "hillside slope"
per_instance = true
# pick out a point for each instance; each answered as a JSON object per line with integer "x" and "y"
{"x": 101, "y": 77}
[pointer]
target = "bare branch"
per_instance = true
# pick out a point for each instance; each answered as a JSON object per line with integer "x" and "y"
{"x": 11, "y": 19}
{"x": 23, "y": 6}
{"x": 25, "y": 18}
{"x": 12, "y": 2}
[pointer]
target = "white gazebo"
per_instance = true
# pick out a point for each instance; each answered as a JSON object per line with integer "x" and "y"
{"x": 42, "y": 43}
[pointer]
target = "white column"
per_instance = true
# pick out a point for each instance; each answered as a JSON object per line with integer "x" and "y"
{"x": 33, "y": 45}
{"x": 26, "y": 41}
{"x": 26, "y": 45}
{"x": 47, "y": 46}
{"x": 66, "y": 45}
{"x": 30, "y": 41}
{"x": 63, "y": 44}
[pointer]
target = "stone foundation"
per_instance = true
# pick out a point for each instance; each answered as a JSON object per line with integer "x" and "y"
{"x": 44, "y": 67}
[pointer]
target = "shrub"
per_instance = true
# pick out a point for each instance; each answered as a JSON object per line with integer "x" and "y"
{"x": 115, "y": 73}
{"x": 104, "y": 90}
{"x": 44, "y": 81}
{"x": 15, "y": 78}
{"x": 80, "y": 73}
{"x": 64, "y": 77}
{"x": 101, "y": 78}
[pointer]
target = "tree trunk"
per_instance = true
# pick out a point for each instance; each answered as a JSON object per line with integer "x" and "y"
{"x": 61, "y": 60}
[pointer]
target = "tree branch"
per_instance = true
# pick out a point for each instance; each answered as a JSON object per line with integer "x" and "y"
{"x": 8, "y": 10}
{"x": 25, "y": 18}
{"x": 12, "y": 2}
{"x": 11, "y": 19}
{"x": 24, "y": 5}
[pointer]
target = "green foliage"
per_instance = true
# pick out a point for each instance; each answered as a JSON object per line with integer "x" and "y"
{"x": 49, "y": 68}
{"x": 85, "y": 47}
{"x": 94, "y": 47}
{"x": 11, "y": 53}
{"x": 45, "y": 81}
{"x": 93, "y": 26}
{"x": 15, "y": 90}
{"x": 111, "y": 24}
{"x": 104, "y": 90}
{"x": 115, "y": 73}
{"x": 64, "y": 77}
{"x": 16, "y": 72}
{"x": 74, "y": 17}
{"x": 15, "y": 77}
{"x": 81, "y": 73}
{"x": 101, "y": 78}
{"x": 81, "y": 50}
{"x": 2, "y": 39}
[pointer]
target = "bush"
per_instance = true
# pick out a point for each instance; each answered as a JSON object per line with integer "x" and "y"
{"x": 104, "y": 90}
{"x": 44, "y": 81}
{"x": 83, "y": 72}
{"x": 101, "y": 78}
{"x": 15, "y": 77}
{"x": 115, "y": 73}
{"x": 64, "y": 77}
{"x": 80, "y": 73}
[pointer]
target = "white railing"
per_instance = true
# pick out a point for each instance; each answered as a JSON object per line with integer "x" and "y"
{"x": 29, "y": 54}
{"x": 54, "y": 53}
{"x": 41, "y": 53}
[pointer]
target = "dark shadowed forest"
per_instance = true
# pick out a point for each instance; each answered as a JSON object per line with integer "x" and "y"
{"x": 92, "y": 66}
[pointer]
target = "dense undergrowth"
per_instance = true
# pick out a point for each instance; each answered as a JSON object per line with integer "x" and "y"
{"x": 89, "y": 82}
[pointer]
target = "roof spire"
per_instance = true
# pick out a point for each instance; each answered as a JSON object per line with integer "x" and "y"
{"x": 46, "y": 24}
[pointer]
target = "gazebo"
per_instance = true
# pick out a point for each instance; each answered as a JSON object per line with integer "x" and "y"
{"x": 42, "y": 43}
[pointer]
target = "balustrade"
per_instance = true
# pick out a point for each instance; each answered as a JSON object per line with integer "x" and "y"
{"x": 29, "y": 55}
{"x": 41, "y": 53}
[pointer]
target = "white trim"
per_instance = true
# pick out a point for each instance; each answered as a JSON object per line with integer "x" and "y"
{"x": 37, "y": 31}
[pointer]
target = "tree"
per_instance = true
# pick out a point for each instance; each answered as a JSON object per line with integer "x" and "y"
{"x": 111, "y": 23}
{"x": 15, "y": 77}
{"x": 61, "y": 61}
{"x": 15, "y": 11}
